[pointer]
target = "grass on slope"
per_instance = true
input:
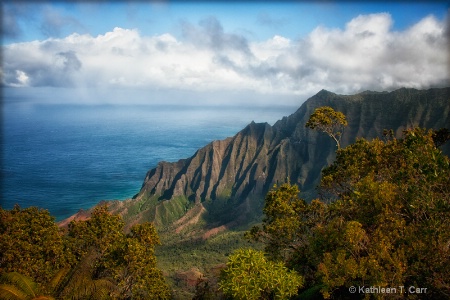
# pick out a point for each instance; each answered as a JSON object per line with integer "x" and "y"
{"x": 178, "y": 254}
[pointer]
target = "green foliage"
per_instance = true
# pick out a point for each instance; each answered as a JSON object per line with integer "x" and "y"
{"x": 286, "y": 229}
{"x": 167, "y": 212}
{"x": 184, "y": 251}
{"x": 384, "y": 221}
{"x": 393, "y": 199}
{"x": 15, "y": 286}
{"x": 137, "y": 274}
{"x": 95, "y": 260}
{"x": 31, "y": 243}
{"x": 81, "y": 282}
{"x": 327, "y": 120}
{"x": 101, "y": 233}
{"x": 129, "y": 260}
{"x": 281, "y": 224}
{"x": 249, "y": 275}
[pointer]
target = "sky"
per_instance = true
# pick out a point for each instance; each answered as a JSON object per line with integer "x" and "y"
{"x": 216, "y": 52}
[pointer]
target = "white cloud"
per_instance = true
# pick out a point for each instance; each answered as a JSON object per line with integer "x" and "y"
{"x": 366, "y": 54}
{"x": 21, "y": 79}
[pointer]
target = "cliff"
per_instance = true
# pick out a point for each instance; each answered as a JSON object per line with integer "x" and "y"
{"x": 224, "y": 183}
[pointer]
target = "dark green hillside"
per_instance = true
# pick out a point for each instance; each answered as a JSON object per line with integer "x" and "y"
{"x": 230, "y": 177}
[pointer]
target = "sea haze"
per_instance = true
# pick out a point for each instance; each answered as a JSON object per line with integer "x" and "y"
{"x": 69, "y": 157}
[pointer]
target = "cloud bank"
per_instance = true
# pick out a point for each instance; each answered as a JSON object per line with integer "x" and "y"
{"x": 366, "y": 54}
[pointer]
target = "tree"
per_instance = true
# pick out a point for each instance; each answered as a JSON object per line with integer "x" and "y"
{"x": 138, "y": 274}
{"x": 108, "y": 255}
{"x": 31, "y": 244}
{"x": 286, "y": 230}
{"x": 100, "y": 233}
{"x": 249, "y": 275}
{"x": 95, "y": 260}
{"x": 393, "y": 202}
{"x": 281, "y": 224}
{"x": 327, "y": 120}
{"x": 383, "y": 220}
{"x": 81, "y": 282}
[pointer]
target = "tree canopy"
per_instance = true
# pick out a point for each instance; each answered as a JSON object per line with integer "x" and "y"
{"x": 250, "y": 275}
{"x": 382, "y": 220}
{"x": 31, "y": 243}
{"x": 96, "y": 259}
{"x": 327, "y": 120}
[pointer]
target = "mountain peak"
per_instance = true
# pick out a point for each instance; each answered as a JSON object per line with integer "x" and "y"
{"x": 229, "y": 178}
{"x": 324, "y": 92}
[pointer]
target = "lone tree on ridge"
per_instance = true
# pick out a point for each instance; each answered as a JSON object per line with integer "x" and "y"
{"x": 327, "y": 120}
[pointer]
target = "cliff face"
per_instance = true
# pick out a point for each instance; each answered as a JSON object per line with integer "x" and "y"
{"x": 228, "y": 179}
{"x": 228, "y": 167}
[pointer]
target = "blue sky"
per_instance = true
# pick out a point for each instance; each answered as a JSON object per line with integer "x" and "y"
{"x": 257, "y": 20}
{"x": 288, "y": 48}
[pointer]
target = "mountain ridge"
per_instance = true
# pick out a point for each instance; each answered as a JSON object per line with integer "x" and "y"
{"x": 225, "y": 182}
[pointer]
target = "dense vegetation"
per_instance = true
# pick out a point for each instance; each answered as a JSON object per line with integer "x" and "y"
{"x": 382, "y": 222}
{"x": 94, "y": 259}
{"x": 250, "y": 275}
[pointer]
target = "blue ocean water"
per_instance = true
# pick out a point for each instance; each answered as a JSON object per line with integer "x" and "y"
{"x": 69, "y": 157}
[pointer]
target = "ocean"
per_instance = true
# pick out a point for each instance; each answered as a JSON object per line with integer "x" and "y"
{"x": 65, "y": 157}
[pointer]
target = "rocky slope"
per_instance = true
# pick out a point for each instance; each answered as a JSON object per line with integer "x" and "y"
{"x": 223, "y": 184}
